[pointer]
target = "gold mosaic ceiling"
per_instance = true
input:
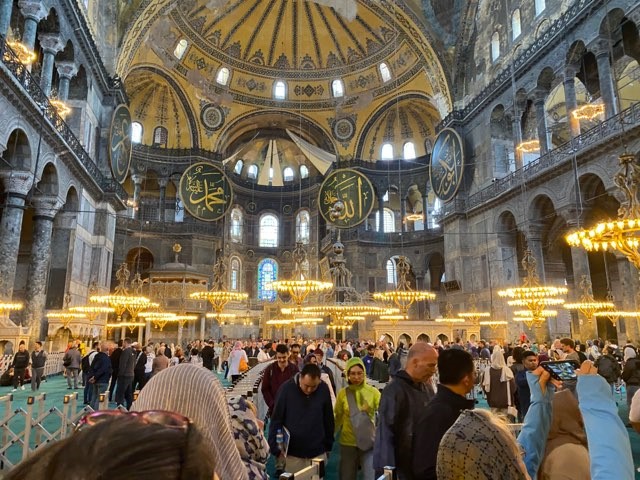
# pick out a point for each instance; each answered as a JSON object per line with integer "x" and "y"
{"x": 306, "y": 43}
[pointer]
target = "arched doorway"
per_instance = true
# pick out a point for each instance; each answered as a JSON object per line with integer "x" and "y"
{"x": 404, "y": 339}
{"x": 423, "y": 337}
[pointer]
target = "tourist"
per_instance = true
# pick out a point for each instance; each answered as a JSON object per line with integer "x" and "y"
{"x": 608, "y": 367}
{"x": 367, "y": 399}
{"x": 124, "y": 392}
{"x": 368, "y": 358}
{"x": 38, "y": 361}
{"x": 177, "y": 358}
{"x": 86, "y": 367}
{"x": 139, "y": 366}
{"x": 294, "y": 356}
{"x": 248, "y": 432}
{"x": 20, "y": 363}
{"x": 115, "y": 365}
{"x": 197, "y": 394}
{"x": 303, "y": 407}
{"x": 311, "y": 358}
{"x": 263, "y": 355}
{"x": 569, "y": 349}
{"x": 208, "y": 355}
{"x": 498, "y": 384}
{"x": 160, "y": 362}
{"x": 99, "y": 374}
{"x": 239, "y": 362}
{"x": 324, "y": 368}
{"x": 630, "y": 375}
{"x": 72, "y": 360}
{"x": 402, "y": 407}
{"x": 530, "y": 363}
{"x": 275, "y": 375}
{"x": 252, "y": 350}
{"x": 195, "y": 358}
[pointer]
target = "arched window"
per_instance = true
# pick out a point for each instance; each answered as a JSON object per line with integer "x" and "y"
{"x": 385, "y": 73}
{"x": 392, "y": 277}
{"x": 269, "y": 230}
{"x": 267, "y": 273}
{"x": 435, "y": 214}
{"x": 234, "y": 274}
{"x": 303, "y": 227}
{"x": 516, "y": 27}
{"x": 238, "y": 167}
{"x": 387, "y": 152}
{"x": 540, "y": 6}
{"x": 279, "y": 90}
{"x": 304, "y": 171}
{"x": 409, "y": 151}
{"x": 337, "y": 88}
{"x": 160, "y": 136}
{"x": 180, "y": 49}
{"x": 252, "y": 172}
{"x": 136, "y": 132}
{"x": 235, "y": 230}
{"x": 495, "y": 47}
{"x": 389, "y": 221}
{"x": 288, "y": 174}
{"x": 222, "y": 78}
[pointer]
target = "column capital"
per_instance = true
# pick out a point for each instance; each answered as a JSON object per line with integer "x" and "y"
{"x": 535, "y": 231}
{"x": 33, "y": 9}
{"x": 540, "y": 95}
{"x": 600, "y": 47}
{"x": 570, "y": 72}
{"x": 67, "y": 70}
{"x": 17, "y": 182}
{"x": 163, "y": 182}
{"x": 51, "y": 43}
{"x": 46, "y": 206}
{"x": 138, "y": 178}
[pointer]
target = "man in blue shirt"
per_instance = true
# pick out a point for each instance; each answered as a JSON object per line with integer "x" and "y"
{"x": 523, "y": 393}
{"x": 368, "y": 359}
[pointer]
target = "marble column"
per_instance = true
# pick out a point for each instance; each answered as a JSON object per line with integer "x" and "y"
{"x": 580, "y": 264}
{"x": 203, "y": 320}
{"x": 46, "y": 209}
{"x": 163, "y": 198}
{"x": 6, "y": 7}
{"x": 534, "y": 242}
{"x": 16, "y": 184}
{"x": 33, "y": 12}
{"x": 137, "y": 190}
{"x": 51, "y": 44}
{"x": 626, "y": 297}
{"x": 147, "y": 331}
{"x": 570, "y": 99}
{"x": 605, "y": 77}
{"x": 541, "y": 119}
{"x": 380, "y": 212}
{"x": 66, "y": 71}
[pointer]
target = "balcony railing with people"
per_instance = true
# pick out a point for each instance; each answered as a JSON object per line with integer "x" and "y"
{"x": 625, "y": 122}
{"x": 50, "y": 118}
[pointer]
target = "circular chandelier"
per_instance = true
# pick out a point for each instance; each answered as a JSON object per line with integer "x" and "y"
{"x": 91, "y": 311}
{"x": 622, "y": 234}
{"x": 120, "y": 301}
{"x": 159, "y": 319}
{"x": 529, "y": 146}
{"x": 298, "y": 288}
{"x": 590, "y": 111}
{"x": 533, "y": 296}
{"x": 403, "y": 296}
{"x": 587, "y": 305}
{"x": 473, "y": 314}
{"x": 493, "y": 324}
{"x": 218, "y": 297}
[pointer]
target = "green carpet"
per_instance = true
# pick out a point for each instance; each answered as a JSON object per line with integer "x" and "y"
{"x": 56, "y": 389}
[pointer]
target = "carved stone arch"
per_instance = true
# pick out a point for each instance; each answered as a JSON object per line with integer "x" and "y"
{"x": 48, "y": 182}
{"x": 18, "y": 153}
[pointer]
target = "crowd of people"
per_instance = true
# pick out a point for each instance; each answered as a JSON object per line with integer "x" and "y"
{"x": 424, "y": 422}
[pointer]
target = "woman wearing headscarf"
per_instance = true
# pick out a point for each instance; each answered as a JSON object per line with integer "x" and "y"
{"x": 248, "y": 433}
{"x": 367, "y": 399}
{"x": 235, "y": 358}
{"x": 197, "y": 394}
{"x": 479, "y": 446}
{"x": 499, "y": 384}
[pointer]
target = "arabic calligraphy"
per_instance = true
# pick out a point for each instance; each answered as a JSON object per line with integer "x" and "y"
{"x": 120, "y": 141}
{"x": 205, "y": 192}
{"x": 346, "y": 198}
{"x": 447, "y": 165}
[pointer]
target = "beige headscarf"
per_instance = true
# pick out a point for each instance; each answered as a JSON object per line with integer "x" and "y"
{"x": 497, "y": 362}
{"x": 197, "y": 394}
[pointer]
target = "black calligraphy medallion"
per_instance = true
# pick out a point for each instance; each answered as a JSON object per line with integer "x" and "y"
{"x": 346, "y": 198}
{"x": 120, "y": 143}
{"x": 447, "y": 164}
{"x": 205, "y": 192}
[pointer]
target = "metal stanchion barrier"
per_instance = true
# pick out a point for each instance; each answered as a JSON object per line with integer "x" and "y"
{"x": 315, "y": 471}
{"x": 388, "y": 474}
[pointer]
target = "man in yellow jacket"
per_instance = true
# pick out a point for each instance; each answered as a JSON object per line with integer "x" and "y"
{"x": 367, "y": 399}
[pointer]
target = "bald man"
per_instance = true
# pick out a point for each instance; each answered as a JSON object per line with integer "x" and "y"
{"x": 402, "y": 406}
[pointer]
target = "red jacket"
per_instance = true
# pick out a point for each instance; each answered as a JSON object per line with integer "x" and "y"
{"x": 273, "y": 379}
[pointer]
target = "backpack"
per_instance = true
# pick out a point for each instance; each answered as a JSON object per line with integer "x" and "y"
{"x": 608, "y": 368}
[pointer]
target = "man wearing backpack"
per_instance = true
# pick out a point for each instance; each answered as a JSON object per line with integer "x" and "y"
{"x": 631, "y": 376}
{"x": 608, "y": 367}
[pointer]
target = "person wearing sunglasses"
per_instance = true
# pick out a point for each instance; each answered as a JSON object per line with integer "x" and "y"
{"x": 151, "y": 445}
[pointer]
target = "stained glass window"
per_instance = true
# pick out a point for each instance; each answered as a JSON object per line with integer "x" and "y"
{"x": 267, "y": 273}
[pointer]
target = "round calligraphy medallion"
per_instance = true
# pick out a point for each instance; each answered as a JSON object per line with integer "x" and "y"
{"x": 344, "y": 129}
{"x": 346, "y": 198}
{"x": 205, "y": 192}
{"x": 447, "y": 165}
{"x": 212, "y": 117}
{"x": 120, "y": 143}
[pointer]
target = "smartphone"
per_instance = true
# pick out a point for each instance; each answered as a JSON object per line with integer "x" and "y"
{"x": 561, "y": 370}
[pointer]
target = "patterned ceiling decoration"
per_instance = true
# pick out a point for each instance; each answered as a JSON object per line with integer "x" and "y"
{"x": 409, "y": 118}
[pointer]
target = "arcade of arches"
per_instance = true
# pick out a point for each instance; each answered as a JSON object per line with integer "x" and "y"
{"x": 279, "y": 94}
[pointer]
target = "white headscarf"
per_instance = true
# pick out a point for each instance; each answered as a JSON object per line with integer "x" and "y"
{"x": 497, "y": 362}
{"x": 197, "y": 394}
